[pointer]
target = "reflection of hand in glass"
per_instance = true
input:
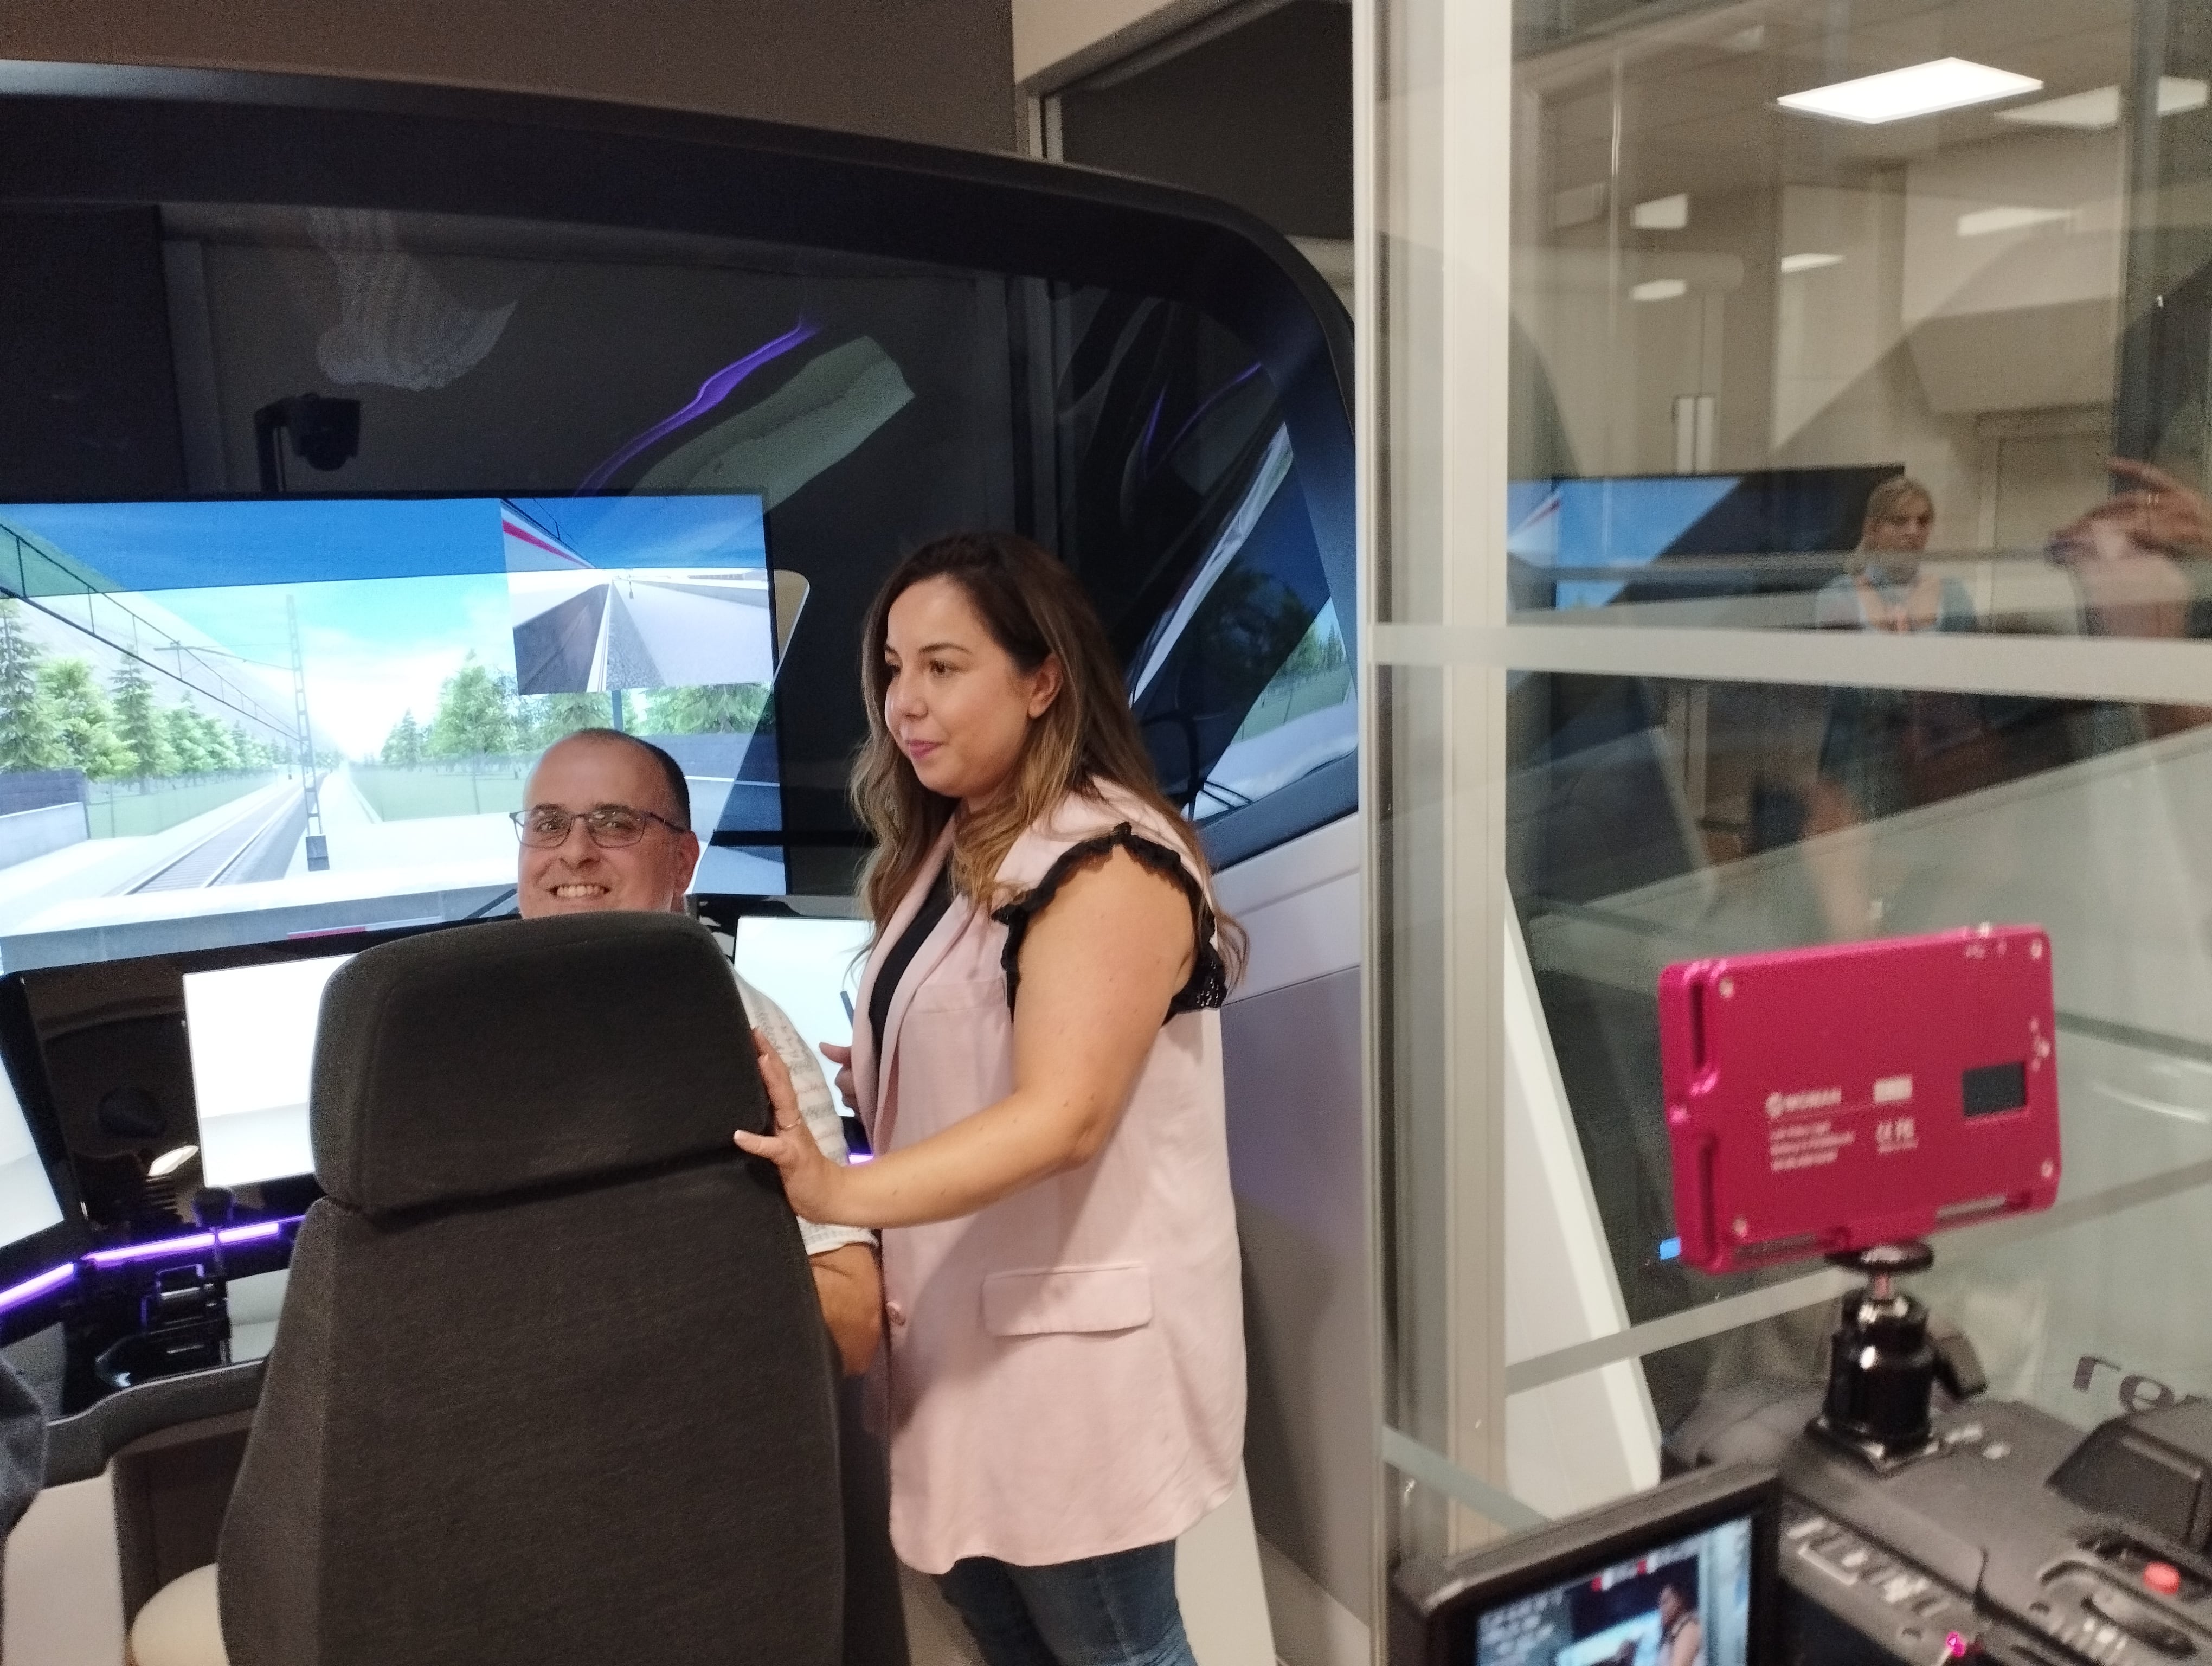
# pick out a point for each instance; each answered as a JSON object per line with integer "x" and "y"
{"x": 2132, "y": 554}
{"x": 2126, "y": 553}
{"x": 2161, "y": 513}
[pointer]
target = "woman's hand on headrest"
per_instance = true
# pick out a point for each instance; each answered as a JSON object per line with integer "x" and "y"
{"x": 810, "y": 1179}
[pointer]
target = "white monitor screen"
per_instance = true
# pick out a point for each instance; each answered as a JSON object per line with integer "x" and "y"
{"x": 252, "y": 1033}
{"x": 27, "y": 1203}
{"x": 810, "y": 967}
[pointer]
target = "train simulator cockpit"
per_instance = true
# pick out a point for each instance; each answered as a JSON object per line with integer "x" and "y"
{"x": 1182, "y": 833}
{"x": 381, "y": 472}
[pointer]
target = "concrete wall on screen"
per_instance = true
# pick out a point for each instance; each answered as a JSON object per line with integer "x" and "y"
{"x": 936, "y": 70}
{"x": 27, "y": 833}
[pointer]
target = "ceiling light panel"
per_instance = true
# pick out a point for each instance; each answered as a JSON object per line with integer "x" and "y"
{"x": 1659, "y": 288}
{"x": 1662, "y": 214}
{"x": 1919, "y": 89}
{"x": 1991, "y": 222}
{"x": 1809, "y": 261}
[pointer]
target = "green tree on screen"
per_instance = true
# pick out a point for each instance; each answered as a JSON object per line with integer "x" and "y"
{"x": 717, "y": 708}
{"x": 473, "y": 717}
{"x": 30, "y": 737}
{"x": 181, "y": 724}
{"x": 1319, "y": 649}
{"x": 215, "y": 741}
{"x": 254, "y": 751}
{"x": 86, "y": 721}
{"x": 546, "y": 718}
{"x": 402, "y": 747}
{"x": 140, "y": 723}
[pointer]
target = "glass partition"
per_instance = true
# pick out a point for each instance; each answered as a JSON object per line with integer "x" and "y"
{"x": 1791, "y": 514}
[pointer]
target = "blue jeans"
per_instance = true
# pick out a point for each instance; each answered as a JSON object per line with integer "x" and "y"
{"x": 1117, "y": 1610}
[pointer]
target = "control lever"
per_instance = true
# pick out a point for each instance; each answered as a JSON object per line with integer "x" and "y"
{"x": 212, "y": 1208}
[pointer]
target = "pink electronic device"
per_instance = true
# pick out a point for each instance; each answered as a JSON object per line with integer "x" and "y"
{"x": 1827, "y": 1100}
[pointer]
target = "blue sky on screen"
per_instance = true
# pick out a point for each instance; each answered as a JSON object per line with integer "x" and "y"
{"x": 1605, "y": 522}
{"x": 374, "y": 648}
{"x": 687, "y": 531}
{"x": 301, "y": 540}
{"x": 393, "y": 595}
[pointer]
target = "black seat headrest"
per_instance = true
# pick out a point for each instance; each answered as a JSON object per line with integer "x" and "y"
{"x": 501, "y": 1058}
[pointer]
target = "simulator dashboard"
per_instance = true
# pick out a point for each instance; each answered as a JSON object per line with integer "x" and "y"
{"x": 155, "y": 1130}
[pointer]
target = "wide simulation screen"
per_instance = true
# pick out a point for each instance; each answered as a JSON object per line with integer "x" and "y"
{"x": 227, "y": 722}
{"x": 252, "y": 1031}
{"x": 1683, "y": 1604}
{"x": 27, "y": 1203}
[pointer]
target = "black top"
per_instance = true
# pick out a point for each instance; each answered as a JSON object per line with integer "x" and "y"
{"x": 901, "y": 954}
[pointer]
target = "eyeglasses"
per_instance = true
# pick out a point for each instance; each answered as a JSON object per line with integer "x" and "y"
{"x": 611, "y": 826}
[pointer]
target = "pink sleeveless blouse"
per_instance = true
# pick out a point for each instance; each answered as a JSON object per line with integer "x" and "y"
{"x": 1066, "y": 1367}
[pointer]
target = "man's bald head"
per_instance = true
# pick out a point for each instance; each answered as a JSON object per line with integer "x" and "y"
{"x": 675, "y": 803}
{"x": 589, "y": 771}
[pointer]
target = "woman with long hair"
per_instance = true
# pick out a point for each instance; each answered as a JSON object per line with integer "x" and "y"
{"x": 1885, "y": 589}
{"x": 1037, "y": 1059}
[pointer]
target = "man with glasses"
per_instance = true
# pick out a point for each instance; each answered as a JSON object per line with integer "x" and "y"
{"x": 606, "y": 823}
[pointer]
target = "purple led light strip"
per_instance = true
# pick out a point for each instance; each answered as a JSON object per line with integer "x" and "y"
{"x": 55, "y": 1277}
{"x": 52, "y": 1279}
{"x": 712, "y": 391}
{"x": 248, "y": 1234}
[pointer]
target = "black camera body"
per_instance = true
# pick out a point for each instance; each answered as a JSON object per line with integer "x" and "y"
{"x": 2010, "y": 1537}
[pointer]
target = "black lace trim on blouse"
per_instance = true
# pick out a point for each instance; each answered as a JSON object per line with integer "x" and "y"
{"x": 1209, "y": 984}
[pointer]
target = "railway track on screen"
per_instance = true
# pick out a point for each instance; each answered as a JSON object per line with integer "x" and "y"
{"x": 236, "y": 852}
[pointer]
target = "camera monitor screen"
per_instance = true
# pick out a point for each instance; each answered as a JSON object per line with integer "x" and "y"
{"x": 1687, "y": 1603}
{"x": 236, "y": 722}
{"x": 1682, "y": 1574}
{"x": 252, "y": 1031}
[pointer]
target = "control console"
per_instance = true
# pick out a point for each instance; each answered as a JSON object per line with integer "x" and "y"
{"x": 2013, "y": 1538}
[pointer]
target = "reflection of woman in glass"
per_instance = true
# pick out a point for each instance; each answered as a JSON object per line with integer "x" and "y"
{"x": 1886, "y": 588}
{"x": 1884, "y": 750}
{"x": 1681, "y": 1635}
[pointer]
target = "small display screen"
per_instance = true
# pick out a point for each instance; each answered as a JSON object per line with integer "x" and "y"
{"x": 27, "y": 1204}
{"x": 1995, "y": 1087}
{"x": 811, "y": 970}
{"x": 253, "y": 1037}
{"x": 1687, "y": 1603}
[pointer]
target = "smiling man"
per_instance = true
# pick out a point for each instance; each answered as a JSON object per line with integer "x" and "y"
{"x": 606, "y": 823}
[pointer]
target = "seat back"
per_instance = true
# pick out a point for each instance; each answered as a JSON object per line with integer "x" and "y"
{"x": 551, "y": 1384}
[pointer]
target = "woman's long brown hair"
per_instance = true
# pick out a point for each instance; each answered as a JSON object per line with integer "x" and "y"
{"x": 1034, "y": 608}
